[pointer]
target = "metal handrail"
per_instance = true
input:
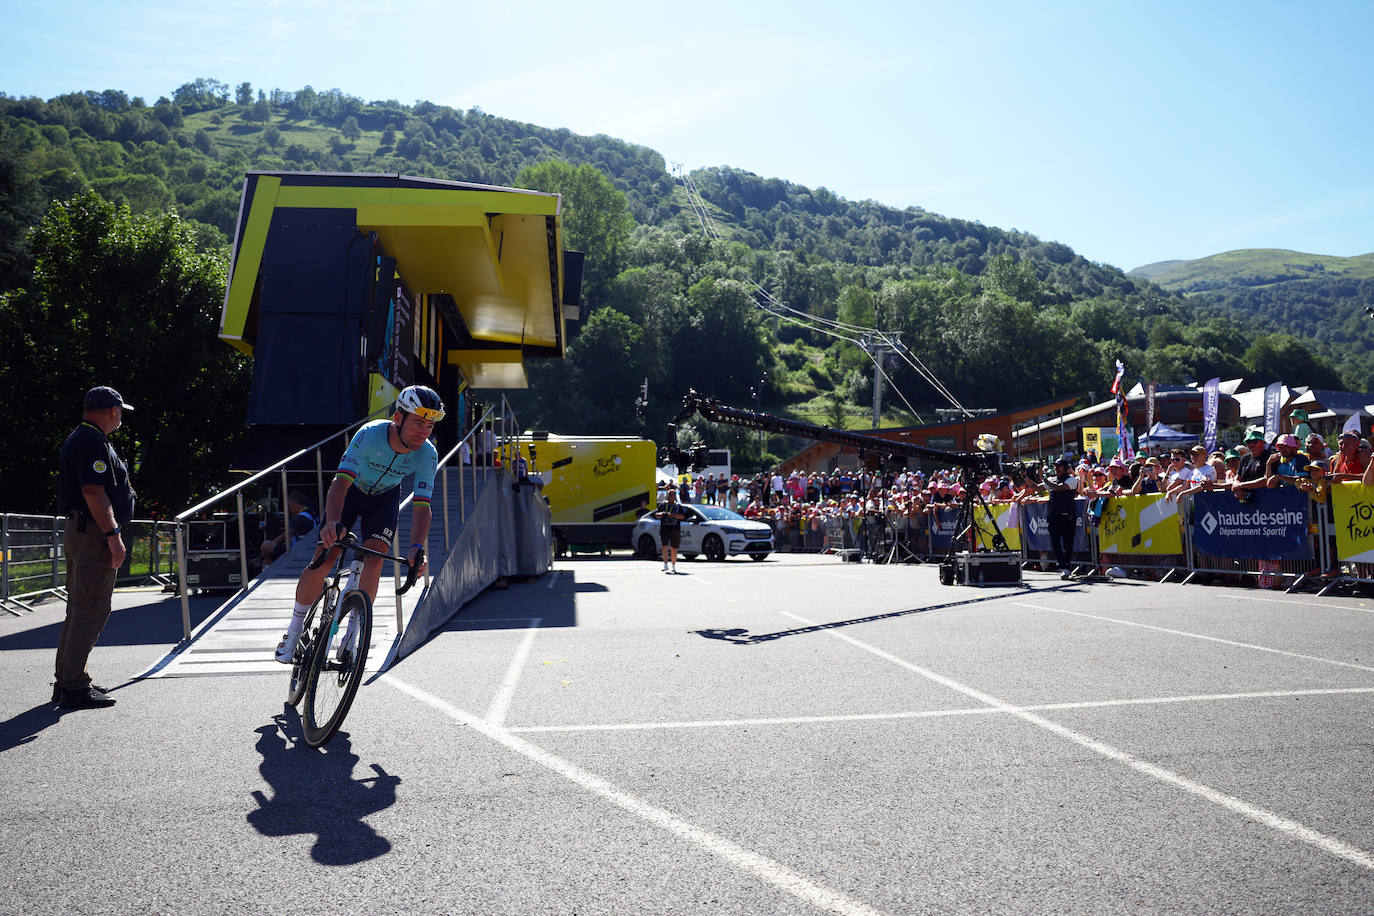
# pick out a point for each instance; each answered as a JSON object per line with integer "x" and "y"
{"x": 506, "y": 420}
{"x": 179, "y": 521}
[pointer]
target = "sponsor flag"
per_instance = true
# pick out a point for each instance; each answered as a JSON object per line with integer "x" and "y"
{"x": 1211, "y": 396}
{"x": 1273, "y": 404}
{"x": 1353, "y": 425}
{"x": 1123, "y": 429}
{"x": 1116, "y": 382}
{"x": 1150, "y": 406}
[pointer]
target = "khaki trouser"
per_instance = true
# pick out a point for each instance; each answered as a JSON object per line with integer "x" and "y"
{"x": 90, "y": 585}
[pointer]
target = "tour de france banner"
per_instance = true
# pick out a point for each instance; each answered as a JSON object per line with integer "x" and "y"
{"x": 1271, "y": 525}
{"x": 943, "y": 522}
{"x": 1146, "y": 523}
{"x": 1035, "y": 526}
{"x": 1352, "y": 507}
{"x": 1007, "y": 516}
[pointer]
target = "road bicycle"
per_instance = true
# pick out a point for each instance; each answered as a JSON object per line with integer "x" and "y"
{"x": 330, "y": 657}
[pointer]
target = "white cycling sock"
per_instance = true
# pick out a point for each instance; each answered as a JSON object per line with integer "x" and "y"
{"x": 298, "y": 612}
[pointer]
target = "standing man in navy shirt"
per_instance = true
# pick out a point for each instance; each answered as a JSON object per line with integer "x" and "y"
{"x": 93, "y": 491}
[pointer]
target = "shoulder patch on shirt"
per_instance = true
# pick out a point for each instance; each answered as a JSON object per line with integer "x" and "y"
{"x": 100, "y": 467}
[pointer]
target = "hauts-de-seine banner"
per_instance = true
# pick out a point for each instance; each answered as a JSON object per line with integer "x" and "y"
{"x": 1270, "y": 525}
{"x": 1142, "y": 524}
{"x": 1035, "y": 526}
{"x": 1352, "y": 507}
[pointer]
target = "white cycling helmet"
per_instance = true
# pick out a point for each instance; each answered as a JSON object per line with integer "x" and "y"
{"x": 422, "y": 402}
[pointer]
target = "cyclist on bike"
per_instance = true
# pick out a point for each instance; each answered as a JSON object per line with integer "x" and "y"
{"x": 367, "y": 486}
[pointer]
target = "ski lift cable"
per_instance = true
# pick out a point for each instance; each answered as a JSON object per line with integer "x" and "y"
{"x": 810, "y": 321}
{"x": 878, "y": 365}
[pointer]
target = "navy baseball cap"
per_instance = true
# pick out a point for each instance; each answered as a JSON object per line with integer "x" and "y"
{"x": 103, "y": 398}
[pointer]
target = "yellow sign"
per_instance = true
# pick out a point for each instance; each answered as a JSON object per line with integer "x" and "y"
{"x": 1143, "y": 524}
{"x": 1352, "y": 507}
{"x": 1008, "y": 518}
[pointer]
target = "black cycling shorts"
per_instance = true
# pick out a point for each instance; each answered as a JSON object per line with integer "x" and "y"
{"x": 670, "y": 537}
{"x": 378, "y": 512}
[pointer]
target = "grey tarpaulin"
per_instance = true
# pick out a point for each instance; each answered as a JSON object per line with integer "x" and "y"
{"x": 508, "y": 533}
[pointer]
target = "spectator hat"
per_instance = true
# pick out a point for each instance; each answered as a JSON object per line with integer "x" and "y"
{"x": 1254, "y": 435}
{"x": 1299, "y": 414}
{"x": 1198, "y": 448}
{"x": 1289, "y": 440}
{"x": 103, "y": 398}
{"x": 1347, "y": 432}
{"x": 1152, "y": 462}
{"x": 1117, "y": 463}
{"x": 1319, "y": 464}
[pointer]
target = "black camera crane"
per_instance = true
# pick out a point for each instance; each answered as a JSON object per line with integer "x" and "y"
{"x": 971, "y": 465}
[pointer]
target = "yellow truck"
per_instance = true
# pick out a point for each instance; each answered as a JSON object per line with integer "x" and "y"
{"x": 597, "y": 486}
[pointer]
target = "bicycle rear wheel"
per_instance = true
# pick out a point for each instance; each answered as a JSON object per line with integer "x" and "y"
{"x": 336, "y": 669}
{"x": 305, "y": 652}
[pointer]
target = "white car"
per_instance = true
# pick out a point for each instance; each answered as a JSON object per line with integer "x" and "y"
{"x": 711, "y": 530}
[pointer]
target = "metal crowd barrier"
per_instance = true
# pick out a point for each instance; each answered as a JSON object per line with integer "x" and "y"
{"x": 900, "y": 538}
{"x": 33, "y": 565}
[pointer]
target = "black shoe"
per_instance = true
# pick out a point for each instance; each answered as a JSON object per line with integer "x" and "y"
{"x": 90, "y": 698}
{"x": 57, "y": 691}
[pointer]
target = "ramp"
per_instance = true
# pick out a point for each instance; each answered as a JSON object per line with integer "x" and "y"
{"x": 241, "y": 636}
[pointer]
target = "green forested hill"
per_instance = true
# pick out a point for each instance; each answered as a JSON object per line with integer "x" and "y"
{"x": 1001, "y": 317}
{"x": 1247, "y": 267}
{"x": 1321, "y": 297}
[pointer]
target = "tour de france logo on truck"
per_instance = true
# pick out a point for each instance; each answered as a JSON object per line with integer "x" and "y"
{"x": 606, "y": 465}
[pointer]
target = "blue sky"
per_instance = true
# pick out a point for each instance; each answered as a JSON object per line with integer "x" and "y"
{"x": 1134, "y": 132}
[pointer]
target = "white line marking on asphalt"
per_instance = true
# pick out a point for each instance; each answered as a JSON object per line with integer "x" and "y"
{"x": 760, "y": 866}
{"x": 1259, "y": 815}
{"x": 936, "y": 713}
{"x": 1221, "y": 593}
{"x": 695, "y": 578}
{"x": 500, "y": 704}
{"x": 835, "y": 575}
{"x": 1226, "y": 642}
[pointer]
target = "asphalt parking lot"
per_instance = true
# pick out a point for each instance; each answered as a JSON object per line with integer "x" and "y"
{"x": 798, "y": 735}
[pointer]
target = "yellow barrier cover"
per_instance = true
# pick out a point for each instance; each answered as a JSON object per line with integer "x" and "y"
{"x": 1143, "y": 524}
{"x": 1352, "y": 506}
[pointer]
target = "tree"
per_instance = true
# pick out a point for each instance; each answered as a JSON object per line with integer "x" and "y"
{"x": 1282, "y": 357}
{"x": 261, "y": 112}
{"x": 128, "y": 301}
{"x": 596, "y": 218}
{"x": 243, "y": 94}
{"x": 350, "y": 129}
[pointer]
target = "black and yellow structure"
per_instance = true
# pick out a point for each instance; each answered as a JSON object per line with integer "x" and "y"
{"x": 345, "y": 288}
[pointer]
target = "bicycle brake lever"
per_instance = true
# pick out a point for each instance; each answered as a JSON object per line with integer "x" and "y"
{"x": 414, "y": 572}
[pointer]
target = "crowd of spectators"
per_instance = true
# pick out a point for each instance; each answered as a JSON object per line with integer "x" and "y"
{"x": 806, "y": 500}
{"x": 1254, "y": 464}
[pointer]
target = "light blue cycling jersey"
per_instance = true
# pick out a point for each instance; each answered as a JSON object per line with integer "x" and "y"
{"x": 373, "y": 466}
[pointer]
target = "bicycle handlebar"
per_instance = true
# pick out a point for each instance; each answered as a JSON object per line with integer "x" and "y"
{"x": 349, "y": 541}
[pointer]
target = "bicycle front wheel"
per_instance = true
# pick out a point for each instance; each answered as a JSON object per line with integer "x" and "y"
{"x": 336, "y": 669}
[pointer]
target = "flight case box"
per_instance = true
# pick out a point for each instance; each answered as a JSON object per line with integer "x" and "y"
{"x": 988, "y": 568}
{"x": 208, "y": 570}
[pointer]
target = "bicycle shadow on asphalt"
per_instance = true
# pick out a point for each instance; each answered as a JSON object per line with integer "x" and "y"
{"x": 742, "y": 637}
{"x": 315, "y": 791}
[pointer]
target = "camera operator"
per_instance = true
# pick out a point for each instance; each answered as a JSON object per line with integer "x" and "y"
{"x": 670, "y": 515}
{"x": 1063, "y": 487}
